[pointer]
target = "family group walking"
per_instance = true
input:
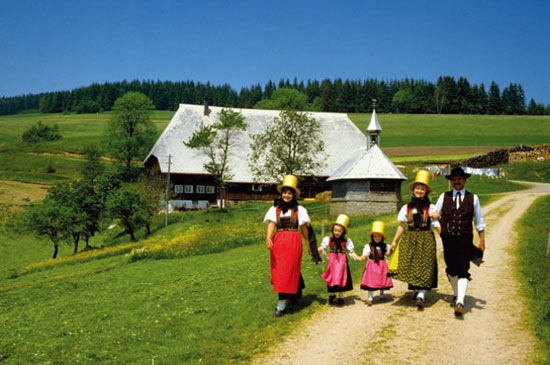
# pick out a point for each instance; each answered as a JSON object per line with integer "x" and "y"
{"x": 412, "y": 251}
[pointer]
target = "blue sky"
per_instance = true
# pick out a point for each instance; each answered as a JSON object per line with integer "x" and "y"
{"x": 60, "y": 45}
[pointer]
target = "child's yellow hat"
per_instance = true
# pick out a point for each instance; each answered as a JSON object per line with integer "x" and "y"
{"x": 342, "y": 220}
{"x": 422, "y": 177}
{"x": 378, "y": 227}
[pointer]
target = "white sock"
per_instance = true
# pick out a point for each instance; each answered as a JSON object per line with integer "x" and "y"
{"x": 341, "y": 295}
{"x": 281, "y": 305}
{"x": 370, "y": 294}
{"x": 462, "y": 285}
{"x": 421, "y": 294}
{"x": 453, "y": 281}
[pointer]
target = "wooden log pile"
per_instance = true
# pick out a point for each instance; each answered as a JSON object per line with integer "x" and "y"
{"x": 493, "y": 158}
{"x": 538, "y": 153}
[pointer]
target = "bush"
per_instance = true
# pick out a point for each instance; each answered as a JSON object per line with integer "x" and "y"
{"x": 41, "y": 132}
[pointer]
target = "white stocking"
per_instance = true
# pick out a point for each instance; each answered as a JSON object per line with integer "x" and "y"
{"x": 453, "y": 280}
{"x": 462, "y": 286}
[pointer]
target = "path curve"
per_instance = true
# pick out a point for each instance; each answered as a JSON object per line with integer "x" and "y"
{"x": 490, "y": 332}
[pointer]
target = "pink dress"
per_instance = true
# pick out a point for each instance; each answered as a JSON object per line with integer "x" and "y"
{"x": 337, "y": 276}
{"x": 375, "y": 276}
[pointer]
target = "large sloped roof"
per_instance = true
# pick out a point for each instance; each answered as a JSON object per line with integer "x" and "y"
{"x": 342, "y": 139}
{"x": 367, "y": 164}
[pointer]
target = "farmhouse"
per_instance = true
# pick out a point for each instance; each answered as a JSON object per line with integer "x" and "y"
{"x": 194, "y": 186}
{"x": 368, "y": 182}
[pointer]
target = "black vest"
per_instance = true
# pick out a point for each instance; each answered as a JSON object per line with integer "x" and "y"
{"x": 457, "y": 222}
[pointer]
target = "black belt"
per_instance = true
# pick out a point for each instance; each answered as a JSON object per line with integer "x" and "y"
{"x": 287, "y": 229}
{"x": 419, "y": 228}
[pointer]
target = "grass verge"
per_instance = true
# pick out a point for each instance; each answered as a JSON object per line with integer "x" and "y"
{"x": 533, "y": 268}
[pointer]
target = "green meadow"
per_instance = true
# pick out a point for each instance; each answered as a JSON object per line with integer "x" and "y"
{"x": 198, "y": 290}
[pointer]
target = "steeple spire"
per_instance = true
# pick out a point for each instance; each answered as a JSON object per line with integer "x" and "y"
{"x": 374, "y": 129}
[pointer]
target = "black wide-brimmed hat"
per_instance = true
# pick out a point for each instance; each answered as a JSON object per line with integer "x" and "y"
{"x": 456, "y": 172}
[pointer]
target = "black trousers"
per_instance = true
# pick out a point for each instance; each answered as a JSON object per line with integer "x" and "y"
{"x": 457, "y": 251}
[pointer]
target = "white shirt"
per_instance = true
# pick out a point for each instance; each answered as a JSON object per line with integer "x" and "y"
{"x": 402, "y": 216}
{"x": 478, "y": 215}
{"x": 366, "y": 249}
{"x": 325, "y": 244}
{"x": 271, "y": 215}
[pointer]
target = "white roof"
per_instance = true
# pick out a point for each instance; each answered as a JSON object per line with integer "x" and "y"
{"x": 374, "y": 125}
{"x": 371, "y": 164}
{"x": 340, "y": 135}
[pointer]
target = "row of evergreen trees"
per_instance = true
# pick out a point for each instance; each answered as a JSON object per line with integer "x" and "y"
{"x": 446, "y": 96}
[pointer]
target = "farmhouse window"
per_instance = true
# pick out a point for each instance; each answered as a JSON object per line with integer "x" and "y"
{"x": 210, "y": 189}
{"x": 200, "y": 189}
{"x": 256, "y": 187}
{"x": 188, "y": 189}
{"x": 178, "y": 189}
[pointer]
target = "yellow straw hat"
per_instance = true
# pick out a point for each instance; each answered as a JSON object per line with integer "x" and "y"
{"x": 422, "y": 177}
{"x": 378, "y": 227}
{"x": 342, "y": 220}
{"x": 290, "y": 181}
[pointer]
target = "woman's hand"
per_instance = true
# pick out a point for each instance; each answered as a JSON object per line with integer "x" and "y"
{"x": 392, "y": 247}
{"x": 269, "y": 243}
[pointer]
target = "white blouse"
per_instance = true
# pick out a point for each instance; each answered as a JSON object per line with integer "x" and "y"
{"x": 325, "y": 244}
{"x": 271, "y": 215}
{"x": 366, "y": 250}
{"x": 402, "y": 216}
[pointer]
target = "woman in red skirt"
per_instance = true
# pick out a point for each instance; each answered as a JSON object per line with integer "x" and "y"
{"x": 285, "y": 219}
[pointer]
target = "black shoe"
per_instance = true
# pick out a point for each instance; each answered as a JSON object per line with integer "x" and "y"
{"x": 340, "y": 302}
{"x": 331, "y": 299}
{"x": 453, "y": 302}
{"x": 459, "y": 309}
{"x": 279, "y": 313}
{"x": 415, "y": 295}
{"x": 419, "y": 302}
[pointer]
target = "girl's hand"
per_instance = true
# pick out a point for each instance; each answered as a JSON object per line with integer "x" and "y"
{"x": 354, "y": 256}
{"x": 435, "y": 216}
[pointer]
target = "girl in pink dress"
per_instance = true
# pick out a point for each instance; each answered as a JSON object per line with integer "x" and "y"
{"x": 338, "y": 276}
{"x": 375, "y": 276}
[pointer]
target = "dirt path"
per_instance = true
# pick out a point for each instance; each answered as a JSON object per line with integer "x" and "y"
{"x": 394, "y": 331}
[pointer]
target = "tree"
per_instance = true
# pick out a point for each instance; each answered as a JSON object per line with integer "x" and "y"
{"x": 130, "y": 132}
{"x": 292, "y": 145}
{"x": 216, "y": 141}
{"x": 402, "y": 100}
{"x": 47, "y": 219}
{"x": 92, "y": 168}
{"x": 283, "y": 99}
{"x": 125, "y": 204}
{"x": 152, "y": 189}
{"x": 495, "y": 103}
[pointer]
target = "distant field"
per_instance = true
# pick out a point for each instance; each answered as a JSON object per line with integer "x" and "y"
{"x": 402, "y": 130}
{"x": 406, "y": 138}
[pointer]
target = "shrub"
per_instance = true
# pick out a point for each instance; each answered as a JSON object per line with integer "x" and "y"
{"x": 41, "y": 132}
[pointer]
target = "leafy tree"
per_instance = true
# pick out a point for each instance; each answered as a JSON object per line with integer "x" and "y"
{"x": 216, "y": 141}
{"x": 125, "y": 204}
{"x": 152, "y": 191}
{"x": 109, "y": 181}
{"x": 47, "y": 218}
{"x": 41, "y": 132}
{"x": 292, "y": 145}
{"x": 130, "y": 132}
{"x": 283, "y": 99}
{"x": 92, "y": 168}
{"x": 402, "y": 100}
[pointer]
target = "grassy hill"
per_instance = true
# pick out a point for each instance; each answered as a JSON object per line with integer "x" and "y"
{"x": 195, "y": 291}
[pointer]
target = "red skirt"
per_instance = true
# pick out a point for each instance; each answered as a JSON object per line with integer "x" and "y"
{"x": 286, "y": 261}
